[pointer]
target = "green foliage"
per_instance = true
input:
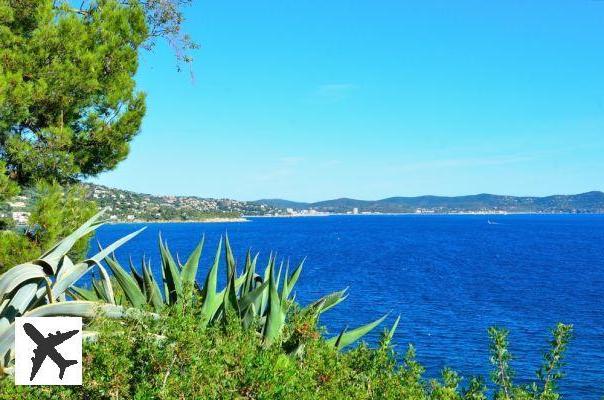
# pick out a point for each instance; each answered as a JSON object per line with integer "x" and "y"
{"x": 37, "y": 287}
{"x": 56, "y": 212}
{"x": 551, "y": 371}
{"x": 146, "y": 207}
{"x": 68, "y": 105}
{"x": 8, "y": 187}
{"x": 173, "y": 357}
{"x": 249, "y": 299}
{"x": 500, "y": 357}
{"x": 68, "y": 101}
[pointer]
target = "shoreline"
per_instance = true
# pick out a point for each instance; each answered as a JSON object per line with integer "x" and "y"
{"x": 197, "y": 221}
{"x": 246, "y": 218}
{"x": 418, "y": 214}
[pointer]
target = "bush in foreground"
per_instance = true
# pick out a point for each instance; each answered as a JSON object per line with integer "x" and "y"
{"x": 174, "y": 358}
{"x": 249, "y": 340}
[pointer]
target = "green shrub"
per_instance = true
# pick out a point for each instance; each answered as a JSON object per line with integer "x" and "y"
{"x": 174, "y": 357}
{"x": 56, "y": 212}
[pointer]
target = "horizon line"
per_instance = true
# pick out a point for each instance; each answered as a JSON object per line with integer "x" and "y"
{"x": 344, "y": 197}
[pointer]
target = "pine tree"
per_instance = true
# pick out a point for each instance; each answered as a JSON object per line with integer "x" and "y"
{"x": 69, "y": 106}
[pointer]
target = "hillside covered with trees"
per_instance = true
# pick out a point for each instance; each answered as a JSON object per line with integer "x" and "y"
{"x": 590, "y": 202}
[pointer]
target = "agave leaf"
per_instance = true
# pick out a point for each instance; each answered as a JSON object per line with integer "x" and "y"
{"x": 314, "y": 311}
{"x": 278, "y": 280}
{"x": 18, "y": 275}
{"x": 3, "y": 305}
{"x": 248, "y": 316}
{"x": 230, "y": 259}
{"x": 152, "y": 288}
{"x": 290, "y": 280}
{"x": 244, "y": 274}
{"x": 339, "y": 338}
{"x": 103, "y": 253}
{"x": 18, "y": 304}
{"x": 80, "y": 293}
{"x": 248, "y": 273}
{"x": 189, "y": 270}
{"x": 69, "y": 274}
{"x": 258, "y": 302}
{"x": 53, "y": 256}
{"x": 284, "y": 287}
{"x": 275, "y": 316}
{"x": 349, "y": 337}
{"x": 68, "y": 279}
{"x": 230, "y": 302}
{"x": 229, "y": 294}
{"x": 106, "y": 284}
{"x": 250, "y": 299}
{"x": 253, "y": 271}
{"x": 165, "y": 284}
{"x": 84, "y": 309}
{"x": 293, "y": 279}
{"x": 74, "y": 273}
{"x": 211, "y": 300}
{"x": 127, "y": 282}
{"x": 172, "y": 276}
{"x": 334, "y": 299}
{"x": 267, "y": 272}
{"x": 327, "y": 302}
{"x": 239, "y": 280}
{"x": 64, "y": 267}
{"x": 390, "y": 334}
{"x": 99, "y": 290}
{"x": 138, "y": 277}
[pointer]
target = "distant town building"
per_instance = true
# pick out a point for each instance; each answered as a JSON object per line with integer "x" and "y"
{"x": 355, "y": 210}
{"x": 20, "y": 217}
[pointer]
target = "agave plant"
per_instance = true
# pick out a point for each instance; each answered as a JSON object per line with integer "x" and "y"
{"x": 250, "y": 297}
{"x": 37, "y": 288}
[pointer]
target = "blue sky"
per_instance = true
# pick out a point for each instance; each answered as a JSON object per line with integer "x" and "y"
{"x": 310, "y": 100}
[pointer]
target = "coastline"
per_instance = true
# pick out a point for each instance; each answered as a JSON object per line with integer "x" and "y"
{"x": 485, "y": 213}
{"x": 246, "y": 218}
{"x": 170, "y": 221}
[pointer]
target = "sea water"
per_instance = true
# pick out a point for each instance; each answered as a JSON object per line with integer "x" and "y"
{"x": 449, "y": 278}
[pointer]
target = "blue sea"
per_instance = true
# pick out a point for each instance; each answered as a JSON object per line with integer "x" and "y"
{"x": 449, "y": 277}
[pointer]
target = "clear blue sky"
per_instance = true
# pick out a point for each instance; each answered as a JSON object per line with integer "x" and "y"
{"x": 310, "y": 100}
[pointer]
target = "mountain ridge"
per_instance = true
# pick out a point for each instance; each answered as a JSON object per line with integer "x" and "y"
{"x": 588, "y": 202}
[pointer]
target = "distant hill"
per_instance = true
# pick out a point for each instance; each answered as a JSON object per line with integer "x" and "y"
{"x": 590, "y": 202}
{"x": 283, "y": 204}
{"x": 125, "y": 205}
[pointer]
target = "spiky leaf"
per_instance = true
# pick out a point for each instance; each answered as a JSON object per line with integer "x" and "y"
{"x": 189, "y": 270}
{"x": 127, "y": 282}
{"x": 349, "y": 337}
